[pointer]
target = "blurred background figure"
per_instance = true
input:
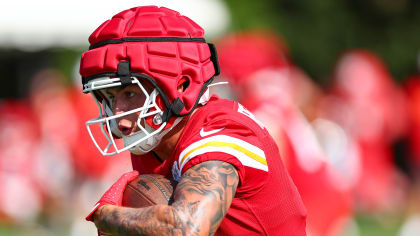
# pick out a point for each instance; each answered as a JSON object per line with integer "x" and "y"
{"x": 18, "y": 138}
{"x": 364, "y": 100}
{"x": 243, "y": 53}
{"x": 265, "y": 81}
{"x": 58, "y": 129}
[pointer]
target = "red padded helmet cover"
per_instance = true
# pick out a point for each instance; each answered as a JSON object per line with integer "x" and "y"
{"x": 166, "y": 61}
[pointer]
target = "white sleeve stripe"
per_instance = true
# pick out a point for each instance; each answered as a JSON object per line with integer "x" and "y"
{"x": 242, "y": 157}
{"x": 227, "y": 144}
{"x": 226, "y": 139}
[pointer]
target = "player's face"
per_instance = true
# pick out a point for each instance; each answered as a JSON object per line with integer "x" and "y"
{"x": 124, "y": 99}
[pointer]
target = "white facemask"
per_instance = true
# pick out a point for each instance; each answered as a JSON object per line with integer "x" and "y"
{"x": 140, "y": 142}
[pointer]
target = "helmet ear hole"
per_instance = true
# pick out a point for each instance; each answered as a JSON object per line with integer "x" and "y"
{"x": 183, "y": 84}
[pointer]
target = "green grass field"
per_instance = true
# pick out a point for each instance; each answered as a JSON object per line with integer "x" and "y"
{"x": 367, "y": 226}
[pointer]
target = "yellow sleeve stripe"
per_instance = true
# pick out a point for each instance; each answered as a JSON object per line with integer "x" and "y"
{"x": 248, "y": 154}
{"x": 231, "y": 145}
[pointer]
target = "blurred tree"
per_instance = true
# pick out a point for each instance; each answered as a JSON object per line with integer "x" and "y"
{"x": 318, "y": 31}
{"x": 18, "y": 67}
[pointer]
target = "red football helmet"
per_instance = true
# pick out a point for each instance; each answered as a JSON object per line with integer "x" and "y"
{"x": 154, "y": 47}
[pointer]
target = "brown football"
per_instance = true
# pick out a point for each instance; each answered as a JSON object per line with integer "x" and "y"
{"x": 148, "y": 190}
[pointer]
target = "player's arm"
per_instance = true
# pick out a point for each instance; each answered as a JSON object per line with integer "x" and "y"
{"x": 202, "y": 198}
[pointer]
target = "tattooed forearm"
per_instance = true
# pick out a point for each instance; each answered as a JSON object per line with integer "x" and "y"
{"x": 202, "y": 199}
{"x": 213, "y": 184}
{"x": 156, "y": 220}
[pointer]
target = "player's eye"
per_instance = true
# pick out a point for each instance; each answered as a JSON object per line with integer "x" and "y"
{"x": 129, "y": 94}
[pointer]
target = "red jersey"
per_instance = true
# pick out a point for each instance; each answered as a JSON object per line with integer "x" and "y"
{"x": 266, "y": 200}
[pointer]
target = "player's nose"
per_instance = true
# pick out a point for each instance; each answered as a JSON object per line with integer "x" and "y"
{"x": 125, "y": 122}
{"x": 125, "y": 126}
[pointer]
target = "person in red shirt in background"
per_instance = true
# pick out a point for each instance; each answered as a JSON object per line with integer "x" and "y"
{"x": 364, "y": 100}
{"x": 21, "y": 198}
{"x": 267, "y": 83}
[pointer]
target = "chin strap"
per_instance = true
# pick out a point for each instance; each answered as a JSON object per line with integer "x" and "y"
{"x": 173, "y": 110}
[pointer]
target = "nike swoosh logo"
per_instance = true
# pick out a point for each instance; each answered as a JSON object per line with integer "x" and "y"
{"x": 207, "y": 133}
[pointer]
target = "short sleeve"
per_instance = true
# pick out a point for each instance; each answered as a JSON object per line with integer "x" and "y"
{"x": 231, "y": 141}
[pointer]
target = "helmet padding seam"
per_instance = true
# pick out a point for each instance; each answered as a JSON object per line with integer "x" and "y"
{"x": 145, "y": 39}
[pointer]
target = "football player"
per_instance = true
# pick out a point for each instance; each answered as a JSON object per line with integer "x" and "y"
{"x": 149, "y": 70}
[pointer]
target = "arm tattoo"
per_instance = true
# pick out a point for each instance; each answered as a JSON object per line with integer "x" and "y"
{"x": 202, "y": 199}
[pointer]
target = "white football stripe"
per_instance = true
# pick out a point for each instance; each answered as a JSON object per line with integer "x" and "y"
{"x": 242, "y": 157}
